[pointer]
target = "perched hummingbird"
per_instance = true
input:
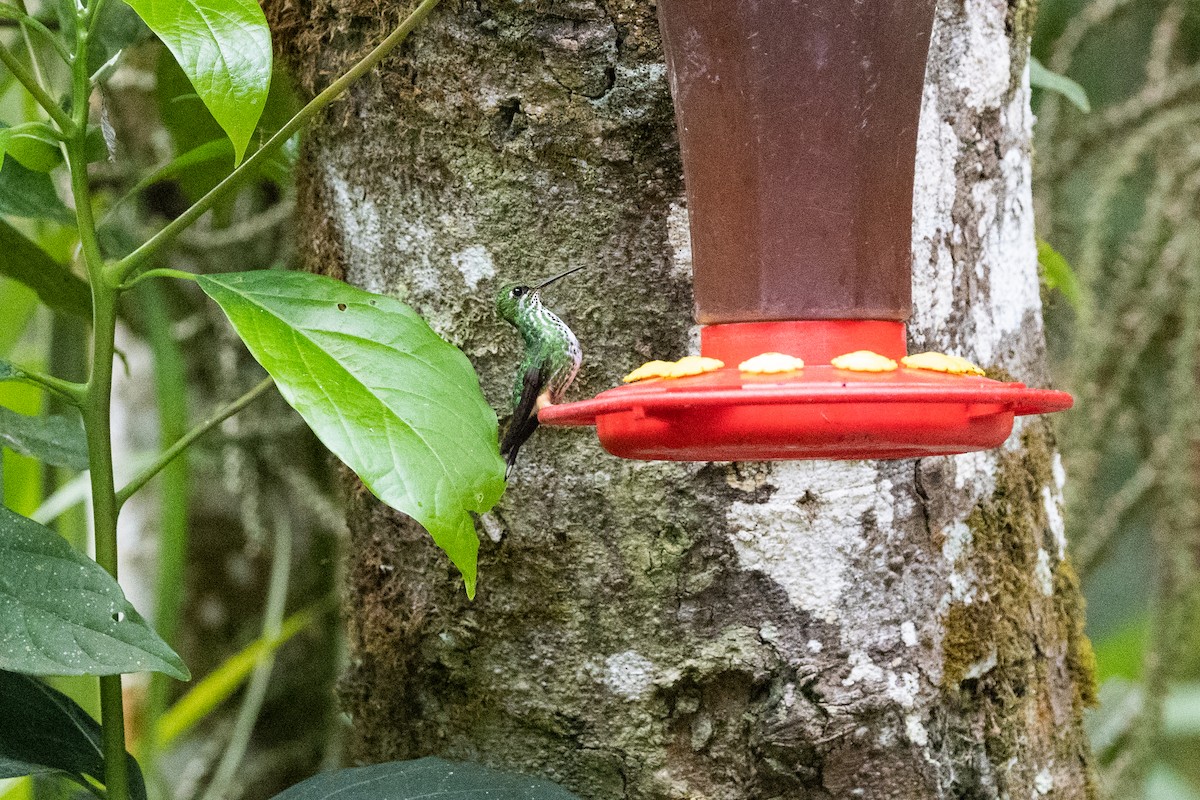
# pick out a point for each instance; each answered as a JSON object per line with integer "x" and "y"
{"x": 552, "y": 357}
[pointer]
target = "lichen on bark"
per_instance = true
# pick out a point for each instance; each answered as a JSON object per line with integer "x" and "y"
{"x": 658, "y": 630}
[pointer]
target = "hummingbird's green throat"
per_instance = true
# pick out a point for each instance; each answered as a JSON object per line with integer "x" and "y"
{"x": 552, "y": 357}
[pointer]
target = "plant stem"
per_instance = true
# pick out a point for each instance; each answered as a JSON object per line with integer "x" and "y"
{"x": 125, "y": 267}
{"x": 93, "y": 13}
{"x": 164, "y": 458}
{"x": 34, "y": 88}
{"x": 97, "y": 407}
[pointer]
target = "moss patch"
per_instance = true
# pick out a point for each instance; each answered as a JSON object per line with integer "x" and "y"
{"x": 1081, "y": 659}
{"x": 1006, "y": 532}
{"x": 1017, "y": 651}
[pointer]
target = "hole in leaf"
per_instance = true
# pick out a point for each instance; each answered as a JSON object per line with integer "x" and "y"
{"x": 118, "y": 616}
{"x": 341, "y": 306}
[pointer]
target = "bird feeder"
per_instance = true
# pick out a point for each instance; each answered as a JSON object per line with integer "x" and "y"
{"x": 797, "y": 124}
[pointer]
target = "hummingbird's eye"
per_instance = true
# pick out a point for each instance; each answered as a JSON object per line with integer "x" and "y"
{"x": 518, "y": 292}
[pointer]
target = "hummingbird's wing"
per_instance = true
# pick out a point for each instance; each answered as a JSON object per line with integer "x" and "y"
{"x": 524, "y": 420}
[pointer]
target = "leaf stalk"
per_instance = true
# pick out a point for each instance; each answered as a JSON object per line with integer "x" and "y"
{"x": 73, "y": 393}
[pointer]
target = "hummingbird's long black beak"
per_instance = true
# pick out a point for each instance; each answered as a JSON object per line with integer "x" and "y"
{"x": 549, "y": 281}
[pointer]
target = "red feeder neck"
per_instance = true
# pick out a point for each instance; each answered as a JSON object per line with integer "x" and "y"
{"x": 815, "y": 341}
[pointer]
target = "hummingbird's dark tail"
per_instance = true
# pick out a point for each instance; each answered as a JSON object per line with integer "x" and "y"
{"x": 519, "y": 431}
{"x": 525, "y": 418}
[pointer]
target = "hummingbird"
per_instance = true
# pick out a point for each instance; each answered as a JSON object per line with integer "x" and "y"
{"x": 552, "y": 357}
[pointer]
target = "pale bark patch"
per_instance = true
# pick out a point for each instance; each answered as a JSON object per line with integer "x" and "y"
{"x": 806, "y": 535}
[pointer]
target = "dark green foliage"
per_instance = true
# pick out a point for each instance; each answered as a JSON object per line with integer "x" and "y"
{"x": 55, "y": 440}
{"x": 44, "y": 731}
{"x": 25, "y": 193}
{"x": 57, "y": 286}
{"x": 62, "y": 614}
{"x": 425, "y": 778}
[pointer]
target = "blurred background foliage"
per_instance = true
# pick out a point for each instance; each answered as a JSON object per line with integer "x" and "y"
{"x": 251, "y": 512}
{"x": 1117, "y": 195}
{"x": 235, "y": 548}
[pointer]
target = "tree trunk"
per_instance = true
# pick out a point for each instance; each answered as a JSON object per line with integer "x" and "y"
{"x": 895, "y": 629}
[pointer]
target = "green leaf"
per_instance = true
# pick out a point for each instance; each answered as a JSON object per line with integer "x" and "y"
{"x": 224, "y": 48}
{"x": 57, "y": 286}
{"x": 32, "y": 144}
{"x": 430, "y": 778}
{"x": 7, "y": 370}
{"x": 1042, "y": 78}
{"x": 25, "y": 193}
{"x": 44, "y": 731}
{"x": 55, "y": 440}
{"x": 62, "y": 614}
{"x": 400, "y": 406}
{"x": 1058, "y": 273}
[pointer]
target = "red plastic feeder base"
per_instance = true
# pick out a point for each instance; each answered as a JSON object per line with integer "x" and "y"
{"x": 817, "y": 412}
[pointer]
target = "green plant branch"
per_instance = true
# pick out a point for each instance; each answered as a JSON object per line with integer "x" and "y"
{"x": 6, "y": 22}
{"x": 35, "y": 89}
{"x": 120, "y": 271}
{"x": 97, "y": 408}
{"x": 33, "y": 62}
{"x": 73, "y": 393}
{"x": 93, "y": 13}
{"x": 195, "y": 433}
{"x": 157, "y": 273}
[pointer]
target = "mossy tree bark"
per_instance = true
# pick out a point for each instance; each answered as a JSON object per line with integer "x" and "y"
{"x": 904, "y": 629}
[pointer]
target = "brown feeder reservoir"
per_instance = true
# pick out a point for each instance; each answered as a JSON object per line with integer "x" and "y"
{"x": 798, "y": 127}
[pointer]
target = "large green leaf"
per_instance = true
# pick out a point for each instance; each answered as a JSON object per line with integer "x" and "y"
{"x": 384, "y": 392}
{"x": 430, "y": 778}
{"x": 42, "y": 730}
{"x": 51, "y": 439}
{"x": 224, "y": 48}
{"x": 62, "y": 614}
{"x": 57, "y": 286}
{"x": 25, "y": 193}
